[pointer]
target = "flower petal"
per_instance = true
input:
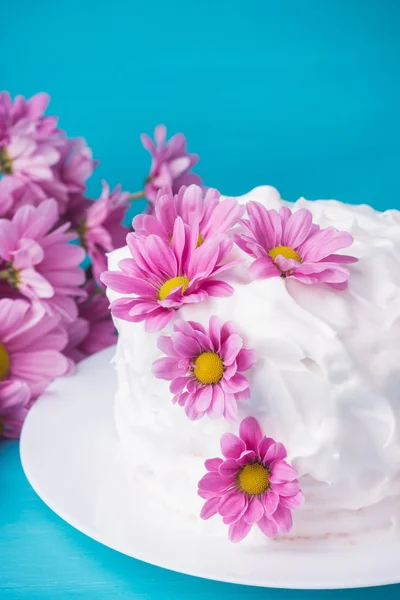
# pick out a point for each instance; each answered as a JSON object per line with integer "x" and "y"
{"x": 214, "y": 328}
{"x": 204, "y": 397}
{"x": 247, "y": 457}
{"x": 119, "y": 282}
{"x": 270, "y": 502}
{"x": 297, "y": 228}
{"x": 293, "y": 501}
{"x": 283, "y": 519}
{"x": 216, "y": 408}
{"x": 213, "y": 464}
{"x": 254, "y": 512}
{"x": 231, "y": 348}
{"x": 250, "y": 433}
{"x": 268, "y": 527}
{"x": 210, "y": 508}
{"x": 246, "y": 359}
{"x": 263, "y": 268}
{"x": 274, "y": 451}
{"x": 289, "y": 488}
{"x": 280, "y": 472}
{"x": 263, "y": 446}
{"x": 237, "y": 383}
{"x": 238, "y": 531}
{"x": 165, "y": 368}
{"x": 217, "y": 288}
{"x": 232, "y": 446}
{"x": 158, "y": 320}
{"x": 178, "y": 384}
{"x": 213, "y": 482}
{"x": 325, "y": 242}
{"x": 186, "y": 346}
{"x": 229, "y": 467}
{"x": 232, "y": 504}
{"x": 231, "y": 408}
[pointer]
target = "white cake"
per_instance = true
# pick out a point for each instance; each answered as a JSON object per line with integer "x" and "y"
{"x": 326, "y": 383}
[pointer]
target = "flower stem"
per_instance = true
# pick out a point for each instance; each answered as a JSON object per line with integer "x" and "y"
{"x": 137, "y": 195}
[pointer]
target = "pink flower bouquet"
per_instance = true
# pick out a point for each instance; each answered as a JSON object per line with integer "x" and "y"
{"x": 53, "y": 245}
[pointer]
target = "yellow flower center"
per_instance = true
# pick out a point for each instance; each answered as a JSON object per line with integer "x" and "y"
{"x": 171, "y": 284}
{"x": 253, "y": 479}
{"x": 200, "y": 240}
{"x": 284, "y": 251}
{"x": 82, "y": 230}
{"x": 5, "y": 163}
{"x": 4, "y": 363}
{"x": 209, "y": 368}
{"x": 10, "y": 275}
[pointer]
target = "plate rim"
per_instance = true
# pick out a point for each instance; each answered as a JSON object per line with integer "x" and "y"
{"x": 90, "y": 531}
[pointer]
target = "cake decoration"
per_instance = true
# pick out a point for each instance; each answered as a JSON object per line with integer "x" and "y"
{"x": 192, "y": 204}
{"x": 205, "y": 368}
{"x": 165, "y": 275}
{"x": 289, "y": 244}
{"x": 321, "y": 355}
{"x": 252, "y": 485}
{"x": 171, "y": 164}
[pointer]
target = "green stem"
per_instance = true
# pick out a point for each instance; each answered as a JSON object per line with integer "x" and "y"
{"x": 137, "y": 195}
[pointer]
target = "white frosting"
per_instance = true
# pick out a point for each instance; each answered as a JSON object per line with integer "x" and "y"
{"x": 326, "y": 382}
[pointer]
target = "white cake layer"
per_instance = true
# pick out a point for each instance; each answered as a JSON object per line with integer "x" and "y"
{"x": 326, "y": 382}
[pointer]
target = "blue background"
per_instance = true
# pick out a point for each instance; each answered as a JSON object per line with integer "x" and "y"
{"x": 301, "y": 95}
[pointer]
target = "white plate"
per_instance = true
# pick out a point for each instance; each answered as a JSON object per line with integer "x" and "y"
{"x": 69, "y": 452}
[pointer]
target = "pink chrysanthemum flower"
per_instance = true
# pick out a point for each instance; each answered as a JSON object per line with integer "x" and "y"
{"x": 171, "y": 163}
{"x": 40, "y": 263}
{"x": 30, "y": 357}
{"x": 27, "y": 148}
{"x": 25, "y": 159}
{"x": 36, "y": 156}
{"x": 252, "y": 484}
{"x": 205, "y": 368}
{"x": 93, "y": 330}
{"x": 215, "y": 217}
{"x": 100, "y": 229}
{"x": 11, "y": 113}
{"x": 165, "y": 276}
{"x": 288, "y": 244}
{"x": 69, "y": 174}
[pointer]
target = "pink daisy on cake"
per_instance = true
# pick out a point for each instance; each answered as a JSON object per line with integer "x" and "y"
{"x": 205, "y": 368}
{"x": 31, "y": 343}
{"x": 251, "y": 485}
{"x": 289, "y": 244}
{"x": 164, "y": 275}
{"x": 192, "y": 204}
{"x": 37, "y": 261}
{"x": 171, "y": 162}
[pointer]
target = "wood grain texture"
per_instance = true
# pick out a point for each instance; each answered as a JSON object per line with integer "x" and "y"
{"x": 43, "y": 558}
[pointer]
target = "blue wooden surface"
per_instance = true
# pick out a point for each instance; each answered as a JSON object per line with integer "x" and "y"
{"x": 301, "y": 95}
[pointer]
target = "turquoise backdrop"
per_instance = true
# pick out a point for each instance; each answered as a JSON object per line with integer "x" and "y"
{"x": 301, "y": 95}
